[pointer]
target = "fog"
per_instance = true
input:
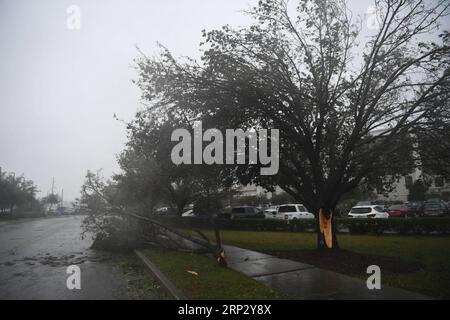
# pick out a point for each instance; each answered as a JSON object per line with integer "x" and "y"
{"x": 59, "y": 88}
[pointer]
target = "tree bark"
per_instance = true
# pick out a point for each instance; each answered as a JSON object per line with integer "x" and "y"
{"x": 180, "y": 207}
{"x": 326, "y": 231}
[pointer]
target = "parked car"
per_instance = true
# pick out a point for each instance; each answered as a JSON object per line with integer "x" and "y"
{"x": 368, "y": 212}
{"x": 162, "y": 210}
{"x": 246, "y": 212}
{"x": 434, "y": 209}
{"x": 380, "y": 203}
{"x": 416, "y": 207}
{"x": 294, "y": 211}
{"x": 271, "y": 213}
{"x": 188, "y": 214}
{"x": 401, "y": 211}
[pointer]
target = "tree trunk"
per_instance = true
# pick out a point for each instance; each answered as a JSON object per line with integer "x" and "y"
{"x": 180, "y": 209}
{"x": 326, "y": 231}
{"x": 181, "y": 204}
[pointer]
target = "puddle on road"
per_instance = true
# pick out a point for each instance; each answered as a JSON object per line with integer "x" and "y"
{"x": 48, "y": 259}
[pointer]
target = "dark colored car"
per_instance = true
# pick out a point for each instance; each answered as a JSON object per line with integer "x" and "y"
{"x": 434, "y": 209}
{"x": 401, "y": 211}
{"x": 246, "y": 212}
{"x": 416, "y": 207}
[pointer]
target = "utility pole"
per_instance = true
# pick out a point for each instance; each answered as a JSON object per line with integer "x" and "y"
{"x": 53, "y": 193}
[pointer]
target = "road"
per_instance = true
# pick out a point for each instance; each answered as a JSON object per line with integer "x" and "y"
{"x": 35, "y": 254}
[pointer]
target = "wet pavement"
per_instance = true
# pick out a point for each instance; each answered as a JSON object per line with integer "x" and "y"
{"x": 302, "y": 281}
{"x": 255, "y": 264}
{"x": 35, "y": 254}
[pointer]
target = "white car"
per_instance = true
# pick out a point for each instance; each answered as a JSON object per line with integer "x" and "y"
{"x": 271, "y": 213}
{"x": 294, "y": 211}
{"x": 188, "y": 214}
{"x": 372, "y": 211}
{"x": 162, "y": 210}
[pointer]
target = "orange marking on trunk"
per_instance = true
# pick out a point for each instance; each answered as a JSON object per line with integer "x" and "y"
{"x": 326, "y": 228}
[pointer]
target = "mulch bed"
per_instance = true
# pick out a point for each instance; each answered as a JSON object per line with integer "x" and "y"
{"x": 349, "y": 262}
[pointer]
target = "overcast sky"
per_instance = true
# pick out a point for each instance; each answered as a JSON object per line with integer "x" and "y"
{"x": 59, "y": 88}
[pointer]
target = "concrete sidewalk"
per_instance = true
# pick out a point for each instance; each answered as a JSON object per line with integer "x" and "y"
{"x": 302, "y": 281}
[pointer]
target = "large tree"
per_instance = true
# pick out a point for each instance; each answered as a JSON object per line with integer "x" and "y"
{"x": 16, "y": 192}
{"x": 343, "y": 102}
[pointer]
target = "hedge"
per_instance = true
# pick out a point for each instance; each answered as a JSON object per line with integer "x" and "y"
{"x": 412, "y": 226}
{"x": 228, "y": 224}
{"x": 397, "y": 225}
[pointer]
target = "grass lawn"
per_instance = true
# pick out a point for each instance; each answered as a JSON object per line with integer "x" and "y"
{"x": 431, "y": 253}
{"x": 141, "y": 285}
{"x": 212, "y": 282}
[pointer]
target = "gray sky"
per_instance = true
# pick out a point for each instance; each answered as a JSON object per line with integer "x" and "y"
{"x": 59, "y": 88}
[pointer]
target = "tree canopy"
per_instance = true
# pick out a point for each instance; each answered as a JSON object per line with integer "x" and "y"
{"x": 15, "y": 191}
{"x": 344, "y": 104}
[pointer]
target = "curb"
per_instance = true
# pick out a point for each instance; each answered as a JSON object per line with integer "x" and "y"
{"x": 173, "y": 291}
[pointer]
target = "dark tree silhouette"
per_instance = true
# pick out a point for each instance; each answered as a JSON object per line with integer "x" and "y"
{"x": 343, "y": 103}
